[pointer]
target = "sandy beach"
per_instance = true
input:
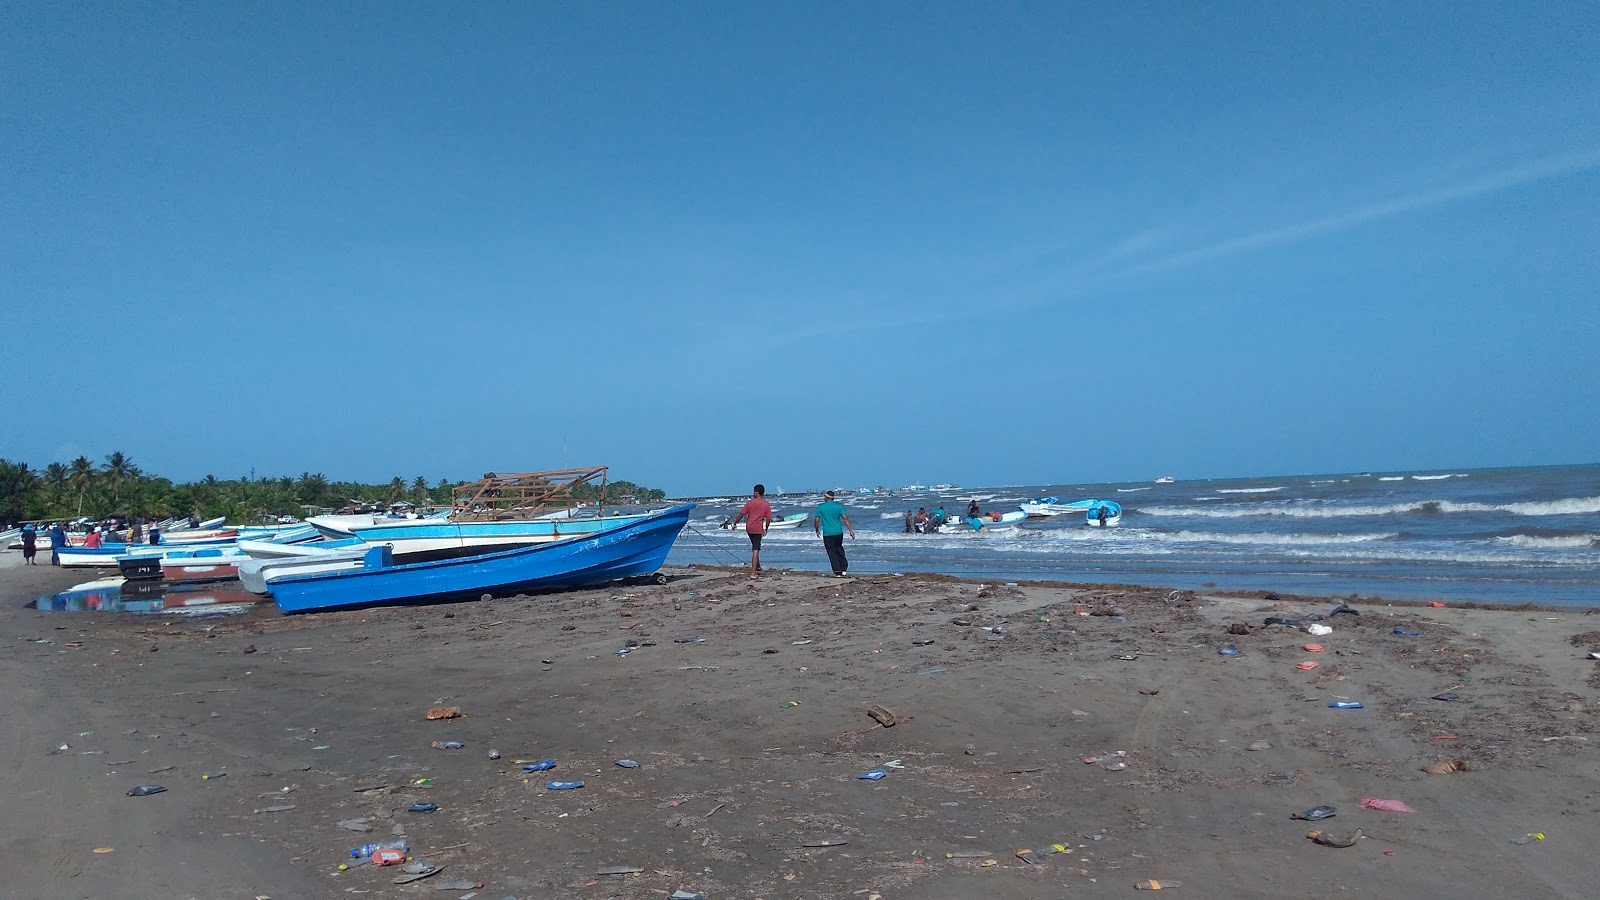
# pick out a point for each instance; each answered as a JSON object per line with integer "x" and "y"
{"x": 1120, "y": 734}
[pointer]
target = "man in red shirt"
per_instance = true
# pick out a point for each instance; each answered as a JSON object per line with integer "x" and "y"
{"x": 757, "y": 513}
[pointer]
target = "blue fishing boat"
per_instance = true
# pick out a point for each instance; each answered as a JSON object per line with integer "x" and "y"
{"x": 631, "y": 548}
{"x": 1103, "y": 514}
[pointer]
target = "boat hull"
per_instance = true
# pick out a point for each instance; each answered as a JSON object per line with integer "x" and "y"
{"x": 628, "y": 549}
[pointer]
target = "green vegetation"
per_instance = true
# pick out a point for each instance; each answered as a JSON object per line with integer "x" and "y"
{"x": 119, "y": 487}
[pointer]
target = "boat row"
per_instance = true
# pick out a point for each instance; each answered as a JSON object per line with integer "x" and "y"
{"x": 1096, "y": 513}
{"x": 504, "y": 534}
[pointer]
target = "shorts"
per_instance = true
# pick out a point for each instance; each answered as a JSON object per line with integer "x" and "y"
{"x": 755, "y": 540}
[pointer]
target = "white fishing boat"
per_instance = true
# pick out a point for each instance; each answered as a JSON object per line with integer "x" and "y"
{"x": 790, "y": 521}
{"x": 1165, "y": 479}
{"x": 258, "y": 574}
{"x": 1045, "y": 507}
{"x": 988, "y": 522}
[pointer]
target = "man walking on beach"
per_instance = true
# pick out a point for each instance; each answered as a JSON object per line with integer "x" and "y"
{"x": 830, "y": 524}
{"x": 757, "y": 513}
{"x": 58, "y": 539}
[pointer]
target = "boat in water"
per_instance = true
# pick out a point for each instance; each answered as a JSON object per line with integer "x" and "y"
{"x": 1104, "y": 513}
{"x": 628, "y": 549}
{"x": 1165, "y": 479}
{"x": 790, "y": 521}
{"x": 984, "y": 523}
{"x": 1045, "y": 507}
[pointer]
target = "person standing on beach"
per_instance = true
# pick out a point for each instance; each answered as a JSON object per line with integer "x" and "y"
{"x": 30, "y": 545}
{"x": 58, "y": 539}
{"x": 830, "y": 523}
{"x": 757, "y": 513}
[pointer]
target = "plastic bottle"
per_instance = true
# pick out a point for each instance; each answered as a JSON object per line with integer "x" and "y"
{"x": 1346, "y": 704}
{"x": 366, "y": 850}
{"x": 544, "y": 766}
{"x": 1529, "y": 838}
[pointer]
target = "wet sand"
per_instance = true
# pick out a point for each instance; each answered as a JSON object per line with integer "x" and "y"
{"x": 734, "y": 783}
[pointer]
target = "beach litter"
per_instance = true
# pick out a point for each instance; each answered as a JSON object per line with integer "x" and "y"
{"x": 388, "y": 856}
{"x": 562, "y": 785}
{"x": 1319, "y": 630}
{"x": 619, "y": 870}
{"x": 883, "y": 716}
{"x": 458, "y": 886}
{"x": 1259, "y": 745}
{"x": 494, "y": 754}
{"x": 541, "y": 766}
{"x": 444, "y": 712}
{"x": 1408, "y": 632}
{"x": 1312, "y": 648}
{"x": 1306, "y": 666}
{"x": 422, "y": 807}
{"x": 827, "y": 842}
{"x": 1386, "y": 805}
{"x": 872, "y": 775}
{"x": 626, "y": 763}
{"x": 681, "y": 894}
{"x": 1328, "y": 840}
{"x": 1228, "y": 650}
{"x": 1346, "y": 704}
{"x": 1447, "y": 696}
{"x": 1525, "y": 839}
{"x": 447, "y": 745}
{"x": 145, "y": 790}
{"x": 1316, "y": 813}
{"x": 1446, "y": 767}
{"x": 416, "y": 871}
{"x": 276, "y": 809}
{"x": 356, "y": 825}
{"x": 1154, "y": 885}
{"x": 1028, "y": 856}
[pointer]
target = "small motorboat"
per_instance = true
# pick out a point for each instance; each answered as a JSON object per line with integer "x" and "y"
{"x": 1104, "y": 514}
{"x": 1044, "y": 507}
{"x": 987, "y": 522}
{"x": 1165, "y": 479}
{"x": 791, "y": 521}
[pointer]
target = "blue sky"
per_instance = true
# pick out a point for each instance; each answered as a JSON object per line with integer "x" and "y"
{"x": 809, "y": 244}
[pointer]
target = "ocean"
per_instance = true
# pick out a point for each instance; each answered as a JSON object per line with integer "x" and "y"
{"x": 1492, "y": 535}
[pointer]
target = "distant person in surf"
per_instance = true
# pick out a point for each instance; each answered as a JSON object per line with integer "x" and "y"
{"x": 920, "y": 522}
{"x": 830, "y": 523}
{"x": 972, "y": 510}
{"x": 910, "y": 526}
{"x": 1103, "y": 513}
{"x": 757, "y": 515}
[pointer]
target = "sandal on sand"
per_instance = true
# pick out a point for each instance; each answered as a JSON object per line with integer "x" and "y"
{"x": 417, "y": 871}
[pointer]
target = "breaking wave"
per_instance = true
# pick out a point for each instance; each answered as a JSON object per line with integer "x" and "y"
{"x": 1570, "y": 506}
{"x": 1249, "y": 490}
{"x": 1437, "y": 477}
{"x": 1543, "y": 542}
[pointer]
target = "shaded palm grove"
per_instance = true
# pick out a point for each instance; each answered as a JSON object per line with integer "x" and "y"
{"x": 119, "y": 487}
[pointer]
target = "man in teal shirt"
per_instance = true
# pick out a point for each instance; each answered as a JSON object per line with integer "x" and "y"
{"x": 830, "y": 523}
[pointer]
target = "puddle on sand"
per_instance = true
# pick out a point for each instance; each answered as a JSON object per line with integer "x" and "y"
{"x": 158, "y": 598}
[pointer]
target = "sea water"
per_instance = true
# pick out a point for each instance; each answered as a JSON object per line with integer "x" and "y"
{"x": 1492, "y": 535}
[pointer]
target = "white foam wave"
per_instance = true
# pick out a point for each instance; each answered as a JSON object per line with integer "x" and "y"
{"x": 1563, "y": 542}
{"x": 1269, "y": 490}
{"x": 1571, "y": 506}
{"x": 1130, "y": 490}
{"x": 1391, "y": 478}
{"x": 1271, "y": 538}
{"x": 1437, "y": 477}
{"x": 893, "y": 515}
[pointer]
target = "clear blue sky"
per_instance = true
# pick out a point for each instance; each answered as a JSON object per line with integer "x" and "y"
{"x": 805, "y": 243}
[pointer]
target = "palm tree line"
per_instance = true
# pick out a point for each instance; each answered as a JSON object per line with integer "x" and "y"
{"x": 119, "y": 487}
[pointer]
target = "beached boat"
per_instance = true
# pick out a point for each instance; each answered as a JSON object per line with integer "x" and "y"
{"x": 107, "y": 555}
{"x": 630, "y": 548}
{"x": 270, "y": 550}
{"x": 257, "y": 574}
{"x": 420, "y": 540}
{"x": 985, "y": 522}
{"x": 1045, "y": 507}
{"x": 203, "y": 564}
{"x": 1112, "y": 510}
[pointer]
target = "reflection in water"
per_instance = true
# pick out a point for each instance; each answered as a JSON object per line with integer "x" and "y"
{"x": 149, "y": 598}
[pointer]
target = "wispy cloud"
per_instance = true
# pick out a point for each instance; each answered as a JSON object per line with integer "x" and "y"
{"x": 1505, "y": 179}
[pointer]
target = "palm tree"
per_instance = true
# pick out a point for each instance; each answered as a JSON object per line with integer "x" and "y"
{"x": 82, "y": 478}
{"x": 117, "y": 468}
{"x": 397, "y": 488}
{"x": 419, "y": 490}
